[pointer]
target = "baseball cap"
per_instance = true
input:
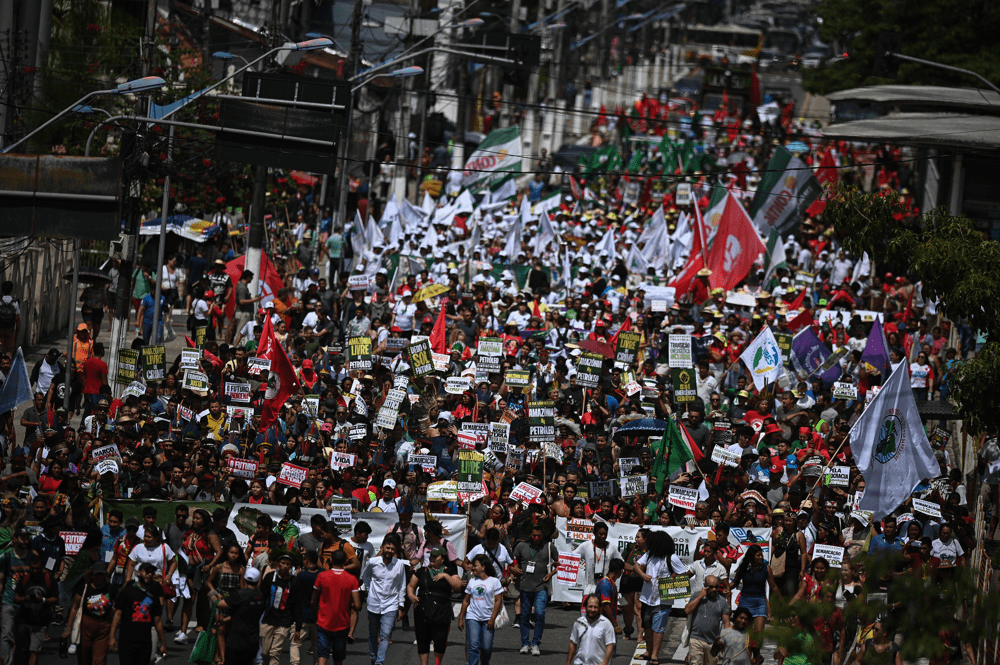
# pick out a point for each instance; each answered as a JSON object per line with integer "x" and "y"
{"x": 252, "y": 575}
{"x": 776, "y": 469}
{"x": 389, "y": 482}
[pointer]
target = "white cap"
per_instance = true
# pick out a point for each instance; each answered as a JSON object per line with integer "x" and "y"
{"x": 389, "y": 482}
{"x": 576, "y": 352}
{"x": 252, "y": 574}
{"x": 267, "y": 305}
{"x": 507, "y": 275}
{"x": 445, "y": 415}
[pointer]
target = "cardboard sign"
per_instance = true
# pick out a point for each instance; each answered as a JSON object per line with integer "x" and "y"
{"x": 784, "y": 341}
{"x": 456, "y": 385}
{"x": 292, "y": 475}
{"x": 357, "y": 432}
{"x": 603, "y": 488}
{"x": 939, "y": 438}
{"x": 674, "y": 588}
{"x": 589, "y": 367}
{"x": 342, "y": 460}
{"x": 517, "y": 379}
{"x": 134, "y": 389}
{"x": 389, "y": 412}
{"x": 844, "y": 390}
{"x": 426, "y": 463}
{"x": 109, "y": 452}
{"x": 190, "y": 359}
{"x": 74, "y": 541}
{"x": 568, "y": 569}
{"x": 526, "y": 493}
{"x": 107, "y": 466}
{"x": 359, "y": 351}
{"x": 541, "y": 421}
{"x": 685, "y": 385}
{"x": 680, "y": 352}
{"x": 499, "y": 436}
{"x": 128, "y": 366}
{"x": 832, "y": 553}
{"x": 634, "y": 485}
{"x": 442, "y": 490}
{"x": 238, "y": 392}
{"x": 340, "y": 512}
{"x": 421, "y": 362}
{"x": 257, "y": 365}
{"x": 470, "y": 471}
{"x": 682, "y": 497}
{"x": 838, "y": 476}
{"x": 197, "y": 381}
{"x": 725, "y": 456}
{"x": 441, "y": 361}
{"x": 242, "y": 468}
{"x": 626, "y": 464}
{"x": 154, "y": 362}
{"x": 627, "y": 347}
{"x": 579, "y": 530}
{"x": 358, "y": 282}
{"x": 928, "y": 508}
{"x": 489, "y": 352}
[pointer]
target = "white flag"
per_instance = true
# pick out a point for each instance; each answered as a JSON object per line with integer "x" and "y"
{"x": 546, "y": 234}
{"x": 891, "y": 446}
{"x": 763, "y": 358}
{"x": 428, "y": 205}
{"x": 606, "y": 246}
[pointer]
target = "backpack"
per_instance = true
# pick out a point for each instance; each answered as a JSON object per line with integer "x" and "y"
{"x": 8, "y": 314}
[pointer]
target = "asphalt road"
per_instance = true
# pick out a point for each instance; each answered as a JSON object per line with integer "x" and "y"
{"x": 403, "y": 650}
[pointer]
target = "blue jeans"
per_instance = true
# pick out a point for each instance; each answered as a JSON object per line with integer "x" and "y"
{"x": 533, "y": 600}
{"x": 479, "y": 642}
{"x": 331, "y": 645}
{"x": 379, "y": 632}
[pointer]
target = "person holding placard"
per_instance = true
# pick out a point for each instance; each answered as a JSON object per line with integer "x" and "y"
{"x": 596, "y": 554}
{"x": 659, "y": 562}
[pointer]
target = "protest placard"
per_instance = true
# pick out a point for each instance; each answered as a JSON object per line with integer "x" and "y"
{"x": 722, "y": 431}
{"x": 134, "y": 389}
{"x": 680, "y": 353}
{"x": 723, "y": 455}
{"x": 480, "y": 430}
{"x": 154, "y": 363}
{"x": 340, "y": 512}
{"x": 107, "y": 466}
{"x": 517, "y": 379}
{"x": 928, "y": 508}
{"x": 499, "y": 436}
{"x": 310, "y": 405}
{"x": 292, "y": 474}
{"x": 659, "y": 306}
{"x": 426, "y": 463}
{"x": 489, "y": 351}
{"x": 74, "y": 541}
{"x": 568, "y": 569}
{"x": 387, "y": 415}
{"x": 106, "y": 452}
{"x": 939, "y": 438}
{"x": 627, "y": 348}
{"x": 602, "y": 488}
{"x": 526, "y": 493}
{"x": 238, "y": 392}
{"x": 359, "y": 351}
{"x": 237, "y": 417}
{"x": 541, "y": 421}
{"x": 257, "y": 365}
{"x": 358, "y": 282}
{"x": 832, "y": 553}
{"x": 515, "y": 459}
{"x": 394, "y": 345}
{"x": 674, "y": 588}
{"x": 400, "y": 382}
{"x": 357, "y": 432}
{"x": 844, "y": 390}
{"x": 626, "y": 464}
{"x": 579, "y": 530}
{"x": 128, "y": 366}
{"x": 552, "y": 450}
{"x": 342, "y": 460}
{"x": 242, "y": 468}
{"x": 838, "y": 476}
{"x": 685, "y": 386}
{"x": 589, "y": 367}
{"x": 470, "y": 471}
{"x": 784, "y": 340}
{"x": 190, "y": 359}
{"x": 634, "y": 486}
{"x": 421, "y": 361}
{"x": 185, "y": 414}
{"x": 682, "y": 497}
{"x": 197, "y": 381}
{"x": 456, "y": 385}
{"x": 442, "y": 490}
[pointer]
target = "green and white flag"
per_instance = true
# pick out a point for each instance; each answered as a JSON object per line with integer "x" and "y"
{"x": 774, "y": 257}
{"x": 787, "y": 188}
{"x": 763, "y": 358}
{"x": 495, "y": 158}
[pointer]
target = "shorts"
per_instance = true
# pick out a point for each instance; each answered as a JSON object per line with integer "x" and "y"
{"x": 655, "y": 617}
{"x": 331, "y": 645}
{"x": 36, "y": 636}
{"x": 756, "y": 604}
{"x": 630, "y": 585}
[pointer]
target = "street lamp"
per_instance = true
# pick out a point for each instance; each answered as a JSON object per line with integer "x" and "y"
{"x": 90, "y": 110}
{"x": 227, "y": 56}
{"x": 138, "y": 86}
{"x": 405, "y": 72}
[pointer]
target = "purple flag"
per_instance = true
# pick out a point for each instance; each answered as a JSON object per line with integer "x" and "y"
{"x": 808, "y": 354}
{"x": 876, "y": 353}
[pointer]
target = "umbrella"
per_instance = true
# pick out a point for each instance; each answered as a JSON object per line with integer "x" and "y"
{"x": 89, "y": 275}
{"x": 641, "y": 427}
{"x": 430, "y": 291}
{"x": 797, "y": 147}
{"x": 597, "y": 346}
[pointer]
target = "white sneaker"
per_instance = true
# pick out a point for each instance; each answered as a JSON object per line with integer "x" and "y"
{"x": 525, "y": 650}
{"x": 535, "y": 651}
{"x": 181, "y": 638}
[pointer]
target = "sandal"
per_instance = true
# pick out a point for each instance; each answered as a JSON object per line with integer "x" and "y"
{"x": 644, "y": 656}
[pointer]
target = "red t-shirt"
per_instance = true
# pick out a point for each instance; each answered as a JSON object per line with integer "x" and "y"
{"x": 94, "y": 371}
{"x": 335, "y": 587}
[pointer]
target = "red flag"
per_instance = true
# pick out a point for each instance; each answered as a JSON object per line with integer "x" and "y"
{"x": 682, "y": 283}
{"x": 826, "y": 174}
{"x": 797, "y": 303}
{"x": 281, "y": 381}
{"x": 574, "y": 187}
{"x": 439, "y": 340}
{"x": 735, "y": 248}
{"x": 270, "y": 282}
{"x": 801, "y": 321}
{"x": 535, "y": 311}
{"x": 626, "y": 326}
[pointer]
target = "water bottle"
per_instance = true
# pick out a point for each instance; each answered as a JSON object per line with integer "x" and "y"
{"x": 63, "y": 648}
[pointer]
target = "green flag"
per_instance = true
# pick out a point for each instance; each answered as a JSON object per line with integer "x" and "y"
{"x": 670, "y": 453}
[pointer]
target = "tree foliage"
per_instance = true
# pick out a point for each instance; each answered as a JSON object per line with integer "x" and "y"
{"x": 946, "y": 31}
{"x": 956, "y": 263}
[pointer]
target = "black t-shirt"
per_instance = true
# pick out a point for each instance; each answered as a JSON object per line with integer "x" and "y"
{"x": 97, "y": 603}
{"x": 245, "y": 609}
{"x": 139, "y": 607}
{"x": 36, "y": 587}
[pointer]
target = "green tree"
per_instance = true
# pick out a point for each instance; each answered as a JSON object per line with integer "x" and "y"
{"x": 946, "y": 31}
{"x": 956, "y": 263}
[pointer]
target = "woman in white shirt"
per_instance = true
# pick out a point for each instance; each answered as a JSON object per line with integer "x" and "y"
{"x": 921, "y": 378}
{"x": 658, "y": 563}
{"x": 152, "y": 550}
{"x": 480, "y": 607}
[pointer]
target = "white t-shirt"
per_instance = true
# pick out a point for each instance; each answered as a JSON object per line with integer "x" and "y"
{"x": 158, "y": 556}
{"x": 501, "y": 554}
{"x": 481, "y": 598}
{"x": 657, "y": 569}
{"x": 404, "y": 315}
{"x": 591, "y": 639}
{"x": 947, "y": 552}
{"x": 384, "y": 506}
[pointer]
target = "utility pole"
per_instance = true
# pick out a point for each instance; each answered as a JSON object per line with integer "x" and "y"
{"x": 528, "y": 136}
{"x": 353, "y": 58}
{"x": 42, "y": 54}
{"x": 7, "y": 38}
{"x": 123, "y": 302}
{"x": 508, "y": 89}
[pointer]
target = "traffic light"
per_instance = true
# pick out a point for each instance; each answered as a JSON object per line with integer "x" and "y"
{"x": 885, "y": 66}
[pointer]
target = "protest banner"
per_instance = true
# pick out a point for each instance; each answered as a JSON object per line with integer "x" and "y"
{"x": 844, "y": 390}
{"x": 197, "y": 381}
{"x": 74, "y": 541}
{"x": 238, "y": 392}
{"x": 489, "y": 351}
{"x": 674, "y": 588}
{"x": 832, "y": 553}
{"x": 541, "y": 421}
{"x": 568, "y": 568}
{"x": 928, "y": 508}
{"x": 838, "y": 476}
{"x": 359, "y": 351}
{"x": 634, "y": 486}
{"x": 342, "y": 460}
{"x": 682, "y": 497}
{"x": 242, "y": 468}
{"x": 589, "y": 367}
{"x": 190, "y": 359}
{"x": 526, "y": 493}
{"x": 154, "y": 363}
{"x": 456, "y": 385}
{"x": 470, "y": 471}
{"x": 257, "y": 365}
{"x": 292, "y": 474}
{"x": 627, "y": 348}
{"x": 128, "y": 366}
{"x": 680, "y": 352}
{"x": 499, "y": 436}
{"x": 723, "y": 455}
{"x": 517, "y": 379}
{"x": 421, "y": 361}
{"x": 602, "y": 488}
{"x": 340, "y": 512}
{"x": 685, "y": 386}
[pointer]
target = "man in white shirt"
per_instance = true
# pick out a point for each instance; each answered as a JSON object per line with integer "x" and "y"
{"x": 592, "y": 638}
{"x": 385, "y": 577}
{"x": 495, "y": 551}
{"x": 596, "y": 555}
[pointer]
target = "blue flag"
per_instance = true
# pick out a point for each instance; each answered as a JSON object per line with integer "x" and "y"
{"x": 808, "y": 354}
{"x": 16, "y": 389}
{"x": 876, "y": 353}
